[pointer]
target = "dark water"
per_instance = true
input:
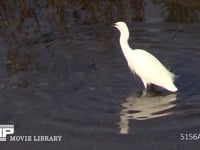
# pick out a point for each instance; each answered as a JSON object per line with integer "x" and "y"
{"x": 77, "y": 84}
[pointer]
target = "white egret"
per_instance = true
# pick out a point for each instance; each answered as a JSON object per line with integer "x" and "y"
{"x": 144, "y": 64}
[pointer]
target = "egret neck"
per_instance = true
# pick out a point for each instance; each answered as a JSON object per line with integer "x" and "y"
{"x": 124, "y": 36}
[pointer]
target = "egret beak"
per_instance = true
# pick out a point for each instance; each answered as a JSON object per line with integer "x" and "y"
{"x": 114, "y": 25}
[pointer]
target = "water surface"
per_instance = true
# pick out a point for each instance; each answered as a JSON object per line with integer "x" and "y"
{"x": 77, "y": 84}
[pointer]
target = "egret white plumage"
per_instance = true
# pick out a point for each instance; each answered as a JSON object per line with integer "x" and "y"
{"x": 144, "y": 64}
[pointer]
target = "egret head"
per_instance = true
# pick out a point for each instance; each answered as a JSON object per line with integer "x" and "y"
{"x": 122, "y": 27}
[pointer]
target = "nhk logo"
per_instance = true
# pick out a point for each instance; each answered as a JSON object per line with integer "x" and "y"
{"x": 5, "y": 130}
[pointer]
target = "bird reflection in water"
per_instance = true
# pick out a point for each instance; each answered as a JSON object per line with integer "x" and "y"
{"x": 144, "y": 107}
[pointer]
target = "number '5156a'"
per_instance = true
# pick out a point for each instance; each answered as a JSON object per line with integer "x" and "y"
{"x": 189, "y": 136}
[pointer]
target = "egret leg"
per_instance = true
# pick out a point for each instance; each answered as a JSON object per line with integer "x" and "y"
{"x": 145, "y": 84}
{"x": 144, "y": 92}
